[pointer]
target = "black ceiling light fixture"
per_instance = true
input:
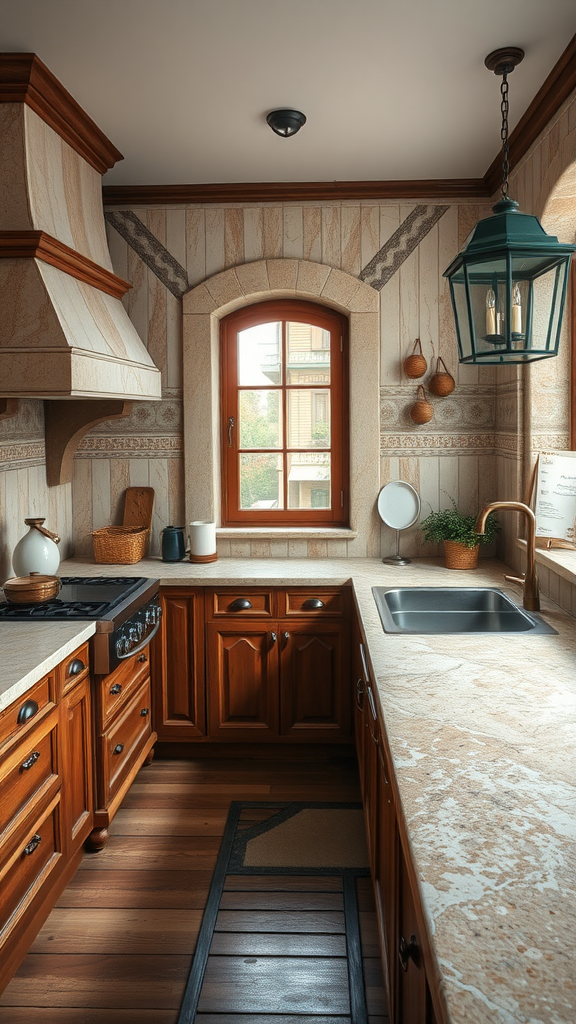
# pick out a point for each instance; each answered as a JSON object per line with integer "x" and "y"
{"x": 286, "y": 122}
{"x": 508, "y": 284}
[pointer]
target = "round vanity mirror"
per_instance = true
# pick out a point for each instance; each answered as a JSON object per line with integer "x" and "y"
{"x": 399, "y": 508}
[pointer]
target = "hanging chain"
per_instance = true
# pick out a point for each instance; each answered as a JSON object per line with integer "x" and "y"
{"x": 504, "y": 135}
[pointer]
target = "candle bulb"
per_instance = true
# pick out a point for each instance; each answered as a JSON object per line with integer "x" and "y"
{"x": 490, "y": 312}
{"x": 516, "y": 311}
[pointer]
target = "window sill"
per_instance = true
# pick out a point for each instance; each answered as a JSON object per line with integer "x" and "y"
{"x": 562, "y": 561}
{"x": 285, "y": 533}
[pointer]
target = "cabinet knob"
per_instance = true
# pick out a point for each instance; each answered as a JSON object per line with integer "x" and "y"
{"x": 286, "y": 636}
{"x": 31, "y": 846}
{"x": 118, "y": 748}
{"x": 408, "y": 951}
{"x": 142, "y": 657}
{"x": 360, "y": 694}
{"x": 27, "y": 711}
{"x": 30, "y": 761}
{"x": 76, "y": 667}
{"x": 241, "y": 604}
{"x": 144, "y": 712}
{"x": 273, "y": 637}
{"x": 313, "y": 604}
{"x": 117, "y": 688}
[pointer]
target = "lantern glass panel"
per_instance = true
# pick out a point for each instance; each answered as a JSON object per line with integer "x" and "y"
{"x": 547, "y": 301}
{"x": 460, "y": 303}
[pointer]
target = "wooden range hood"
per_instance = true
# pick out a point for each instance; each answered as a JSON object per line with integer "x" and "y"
{"x": 64, "y": 332}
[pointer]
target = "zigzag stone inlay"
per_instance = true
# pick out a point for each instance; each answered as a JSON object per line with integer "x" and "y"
{"x": 150, "y": 250}
{"x": 391, "y": 256}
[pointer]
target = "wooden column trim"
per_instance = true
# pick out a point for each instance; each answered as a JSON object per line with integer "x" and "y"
{"x": 39, "y": 245}
{"x": 25, "y": 79}
{"x": 66, "y": 423}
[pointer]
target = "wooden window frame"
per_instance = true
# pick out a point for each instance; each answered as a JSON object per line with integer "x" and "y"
{"x": 337, "y": 324}
{"x": 572, "y": 322}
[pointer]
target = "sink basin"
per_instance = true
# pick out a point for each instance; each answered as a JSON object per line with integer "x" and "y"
{"x": 453, "y": 610}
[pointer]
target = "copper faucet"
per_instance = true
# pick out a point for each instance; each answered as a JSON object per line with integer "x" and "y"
{"x": 529, "y": 581}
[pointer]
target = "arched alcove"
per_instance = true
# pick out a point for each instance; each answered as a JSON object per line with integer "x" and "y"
{"x": 203, "y": 308}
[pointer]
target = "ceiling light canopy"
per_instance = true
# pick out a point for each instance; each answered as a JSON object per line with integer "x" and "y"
{"x": 508, "y": 284}
{"x": 286, "y": 122}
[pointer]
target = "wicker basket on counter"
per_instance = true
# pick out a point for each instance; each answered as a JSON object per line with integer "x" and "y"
{"x": 126, "y": 544}
{"x": 458, "y": 556}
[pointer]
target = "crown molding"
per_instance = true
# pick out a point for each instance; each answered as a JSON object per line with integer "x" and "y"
{"x": 25, "y": 79}
{"x": 41, "y": 246}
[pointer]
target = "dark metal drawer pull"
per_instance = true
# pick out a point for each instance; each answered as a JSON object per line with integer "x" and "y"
{"x": 408, "y": 951}
{"x": 144, "y": 712}
{"x": 36, "y": 839}
{"x": 118, "y": 748}
{"x": 142, "y": 657}
{"x": 313, "y": 604}
{"x": 30, "y": 761}
{"x": 117, "y": 688}
{"x": 27, "y": 711}
{"x": 76, "y": 667}
{"x": 360, "y": 694}
{"x": 241, "y": 604}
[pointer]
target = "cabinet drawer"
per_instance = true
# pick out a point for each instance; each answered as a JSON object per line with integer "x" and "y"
{"x": 245, "y": 603}
{"x": 74, "y": 668}
{"x": 117, "y": 688}
{"x": 321, "y": 601}
{"x": 125, "y": 738}
{"x": 14, "y": 721}
{"x": 36, "y": 854}
{"x": 27, "y": 772}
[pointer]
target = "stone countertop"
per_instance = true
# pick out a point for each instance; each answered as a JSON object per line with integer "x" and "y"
{"x": 28, "y": 650}
{"x": 482, "y": 731}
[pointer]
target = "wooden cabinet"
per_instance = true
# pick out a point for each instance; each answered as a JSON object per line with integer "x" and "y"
{"x": 285, "y": 679}
{"x": 178, "y": 659}
{"x": 124, "y": 738}
{"x": 45, "y": 801}
{"x": 409, "y": 974}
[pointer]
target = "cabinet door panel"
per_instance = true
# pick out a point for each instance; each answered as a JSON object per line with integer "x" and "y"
{"x": 243, "y": 680}
{"x": 411, "y": 992}
{"x": 77, "y": 737}
{"x": 179, "y": 662}
{"x": 314, "y": 680}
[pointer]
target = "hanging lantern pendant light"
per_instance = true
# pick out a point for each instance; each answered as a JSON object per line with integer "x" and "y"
{"x": 508, "y": 285}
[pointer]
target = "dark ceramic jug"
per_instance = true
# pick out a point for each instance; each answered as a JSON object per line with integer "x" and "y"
{"x": 173, "y": 546}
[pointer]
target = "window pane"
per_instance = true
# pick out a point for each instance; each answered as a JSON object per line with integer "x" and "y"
{"x": 308, "y": 354}
{"x": 261, "y": 485}
{"x": 308, "y": 418}
{"x": 309, "y": 480}
{"x": 260, "y": 419}
{"x": 260, "y": 355}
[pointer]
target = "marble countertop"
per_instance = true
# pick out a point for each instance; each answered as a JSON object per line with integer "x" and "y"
{"x": 28, "y": 650}
{"x": 482, "y": 731}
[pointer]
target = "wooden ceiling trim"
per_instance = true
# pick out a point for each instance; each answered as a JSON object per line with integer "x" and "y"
{"x": 25, "y": 79}
{"x": 39, "y": 245}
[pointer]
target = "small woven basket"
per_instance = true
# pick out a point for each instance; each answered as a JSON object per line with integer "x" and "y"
{"x": 458, "y": 556}
{"x": 121, "y": 545}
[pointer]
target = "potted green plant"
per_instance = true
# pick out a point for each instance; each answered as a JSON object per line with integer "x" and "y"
{"x": 456, "y": 531}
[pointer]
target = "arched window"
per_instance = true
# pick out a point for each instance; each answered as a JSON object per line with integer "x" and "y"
{"x": 284, "y": 415}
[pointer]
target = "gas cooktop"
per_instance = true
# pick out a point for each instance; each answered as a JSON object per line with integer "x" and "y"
{"x": 81, "y": 597}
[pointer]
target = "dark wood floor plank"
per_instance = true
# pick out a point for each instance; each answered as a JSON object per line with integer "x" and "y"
{"x": 119, "y": 931}
{"x": 156, "y": 889}
{"x": 283, "y": 883}
{"x": 161, "y": 821}
{"x": 346, "y": 794}
{"x": 281, "y": 901}
{"x": 168, "y": 853}
{"x": 271, "y": 1018}
{"x": 330, "y": 923}
{"x": 275, "y": 985}
{"x": 75, "y": 1015}
{"x": 117, "y": 982}
{"x": 270, "y": 944}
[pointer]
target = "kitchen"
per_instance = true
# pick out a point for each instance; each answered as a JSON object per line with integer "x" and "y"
{"x": 477, "y": 447}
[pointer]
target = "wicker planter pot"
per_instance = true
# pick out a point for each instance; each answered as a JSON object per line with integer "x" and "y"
{"x": 458, "y": 556}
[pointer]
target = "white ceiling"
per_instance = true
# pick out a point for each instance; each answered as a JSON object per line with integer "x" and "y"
{"x": 391, "y": 88}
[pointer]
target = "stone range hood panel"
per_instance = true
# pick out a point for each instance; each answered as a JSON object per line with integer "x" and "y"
{"x": 64, "y": 331}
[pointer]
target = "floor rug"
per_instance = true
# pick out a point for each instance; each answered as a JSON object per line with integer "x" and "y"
{"x": 280, "y": 937}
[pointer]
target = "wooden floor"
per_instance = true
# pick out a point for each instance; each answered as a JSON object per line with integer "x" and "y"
{"x": 117, "y": 947}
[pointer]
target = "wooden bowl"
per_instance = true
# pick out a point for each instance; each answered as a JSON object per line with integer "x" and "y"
{"x": 32, "y": 589}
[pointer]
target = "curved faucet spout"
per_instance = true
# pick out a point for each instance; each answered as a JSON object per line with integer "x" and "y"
{"x": 531, "y": 598}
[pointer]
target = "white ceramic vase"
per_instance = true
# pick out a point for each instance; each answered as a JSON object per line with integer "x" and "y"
{"x": 36, "y": 551}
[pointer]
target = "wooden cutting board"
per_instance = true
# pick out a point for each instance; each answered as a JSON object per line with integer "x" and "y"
{"x": 138, "y": 506}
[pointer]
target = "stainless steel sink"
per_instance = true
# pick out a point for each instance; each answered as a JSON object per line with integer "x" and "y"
{"x": 453, "y": 610}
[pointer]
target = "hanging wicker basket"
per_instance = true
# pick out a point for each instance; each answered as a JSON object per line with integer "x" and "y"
{"x": 415, "y": 365}
{"x": 442, "y": 383}
{"x": 458, "y": 556}
{"x": 422, "y": 411}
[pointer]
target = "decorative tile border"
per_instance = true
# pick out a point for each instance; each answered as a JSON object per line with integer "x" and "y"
{"x": 391, "y": 256}
{"x": 22, "y": 454}
{"x": 130, "y": 447}
{"x": 467, "y": 408}
{"x": 150, "y": 250}
{"x": 145, "y": 419}
{"x": 442, "y": 445}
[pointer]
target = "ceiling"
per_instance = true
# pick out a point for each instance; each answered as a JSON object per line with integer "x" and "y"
{"x": 392, "y": 89}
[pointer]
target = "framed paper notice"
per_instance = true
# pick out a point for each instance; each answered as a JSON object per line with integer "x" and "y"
{"x": 555, "y": 499}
